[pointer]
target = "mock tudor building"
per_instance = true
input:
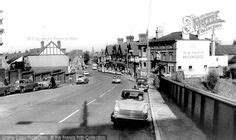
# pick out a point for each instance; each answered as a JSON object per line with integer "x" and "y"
{"x": 51, "y": 57}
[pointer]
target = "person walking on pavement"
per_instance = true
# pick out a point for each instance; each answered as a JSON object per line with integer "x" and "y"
{"x": 53, "y": 83}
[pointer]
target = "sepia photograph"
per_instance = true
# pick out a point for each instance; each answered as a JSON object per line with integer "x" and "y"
{"x": 117, "y": 70}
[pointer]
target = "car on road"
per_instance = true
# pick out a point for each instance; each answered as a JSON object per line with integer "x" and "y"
{"x": 116, "y": 79}
{"x": 142, "y": 84}
{"x": 4, "y": 90}
{"x": 81, "y": 79}
{"x": 133, "y": 105}
{"x": 86, "y": 73}
{"x": 23, "y": 85}
{"x": 94, "y": 66}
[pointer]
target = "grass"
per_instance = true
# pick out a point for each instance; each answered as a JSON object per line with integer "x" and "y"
{"x": 224, "y": 87}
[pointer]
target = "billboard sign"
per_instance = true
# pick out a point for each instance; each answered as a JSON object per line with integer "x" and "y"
{"x": 203, "y": 23}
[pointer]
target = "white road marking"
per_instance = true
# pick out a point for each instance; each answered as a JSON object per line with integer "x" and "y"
{"x": 69, "y": 116}
{"x": 91, "y": 101}
{"x": 107, "y": 91}
{"x": 112, "y": 88}
{"x": 87, "y": 104}
{"x": 41, "y": 134}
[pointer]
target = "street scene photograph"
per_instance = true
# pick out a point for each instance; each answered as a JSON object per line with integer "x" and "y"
{"x": 117, "y": 70}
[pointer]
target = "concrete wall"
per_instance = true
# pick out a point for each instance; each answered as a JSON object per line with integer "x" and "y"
{"x": 216, "y": 115}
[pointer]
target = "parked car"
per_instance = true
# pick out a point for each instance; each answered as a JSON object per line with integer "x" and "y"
{"x": 46, "y": 83}
{"x": 4, "y": 90}
{"x": 133, "y": 105}
{"x": 116, "y": 79}
{"x": 118, "y": 73}
{"x": 23, "y": 85}
{"x": 81, "y": 79}
{"x": 86, "y": 73}
{"x": 142, "y": 84}
{"x": 94, "y": 66}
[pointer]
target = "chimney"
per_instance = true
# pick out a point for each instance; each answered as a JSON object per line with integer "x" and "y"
{"x": 129, "y": 38}
{"x": 42, "y": 44}
{"x": 120, "y": 40}
{"x": 142, "y": 37}
{"x": 59, "y": 44}
{"x": 159, "y": 32}
{"x": 212, "y": 48}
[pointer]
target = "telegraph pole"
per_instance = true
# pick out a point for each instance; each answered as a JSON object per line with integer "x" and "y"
{"x": 148, "y": 47}
{"x": 148, "y": 57}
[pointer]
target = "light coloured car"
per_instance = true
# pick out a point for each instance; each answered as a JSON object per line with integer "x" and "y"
{"x": 86, "y": 73}
{"x": 81, "y": 79}
{"x": 94, "y": 66}
{"x": 116, "y": 79}
{"x": 118, "y": 73}
{"x": 133, "y": 105}
{"x": 45, "y": 83}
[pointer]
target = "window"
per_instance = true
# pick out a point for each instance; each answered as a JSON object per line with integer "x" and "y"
{"x": 144, "y": 50}
{"x": 163, "y": 56}
{"x": 171, "y": 56}
{"x": 179, "y": 67}
{"x": 144, "y": 64}
{"x": 190, "y": 67}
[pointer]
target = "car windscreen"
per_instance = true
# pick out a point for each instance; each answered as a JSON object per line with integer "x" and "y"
{"x": 132, "y": 95}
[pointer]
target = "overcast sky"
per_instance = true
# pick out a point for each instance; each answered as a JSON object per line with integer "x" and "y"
{"x": 81, "y": 24}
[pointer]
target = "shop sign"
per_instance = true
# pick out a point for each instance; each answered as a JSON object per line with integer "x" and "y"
{"x": 203, "y": 23}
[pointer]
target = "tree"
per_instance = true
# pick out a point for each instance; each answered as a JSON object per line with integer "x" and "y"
{"x": 86, "y": 57}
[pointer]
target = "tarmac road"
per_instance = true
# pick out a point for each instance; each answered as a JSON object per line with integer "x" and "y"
{"x": 71, "y": 110}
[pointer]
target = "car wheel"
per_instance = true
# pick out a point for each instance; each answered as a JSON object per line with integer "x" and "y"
{"x": 22, "y": 90}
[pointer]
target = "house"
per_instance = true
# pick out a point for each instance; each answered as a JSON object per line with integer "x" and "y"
{"x": 51, "y": 57}
{"x": 187, "y": 53}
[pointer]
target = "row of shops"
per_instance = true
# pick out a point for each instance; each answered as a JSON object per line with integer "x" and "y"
{"x": 176, "y": 51}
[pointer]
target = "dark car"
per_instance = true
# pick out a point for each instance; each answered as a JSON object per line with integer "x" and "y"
{"x": 24, "y": 85}
{"x": 142, "y": 83}
{"x": 4, "y": 90}
{"x": 133, "y": 105}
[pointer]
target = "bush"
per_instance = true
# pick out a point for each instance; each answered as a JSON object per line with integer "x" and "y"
{"x": 211, "y": 81}
{"x": 178, "y": 76}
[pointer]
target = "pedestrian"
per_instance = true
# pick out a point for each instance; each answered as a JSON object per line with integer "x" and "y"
{"x": 5, "y": 82}
{"x": 53, "y": 83}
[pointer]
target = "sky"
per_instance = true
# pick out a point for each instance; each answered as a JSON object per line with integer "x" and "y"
{"x": 83, "y": 24}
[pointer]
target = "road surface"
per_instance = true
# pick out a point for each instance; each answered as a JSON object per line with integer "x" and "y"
{"x": 71, "y": 110}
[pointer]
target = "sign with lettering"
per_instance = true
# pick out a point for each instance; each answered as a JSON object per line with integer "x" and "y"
{"x": 203, "y": 23}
